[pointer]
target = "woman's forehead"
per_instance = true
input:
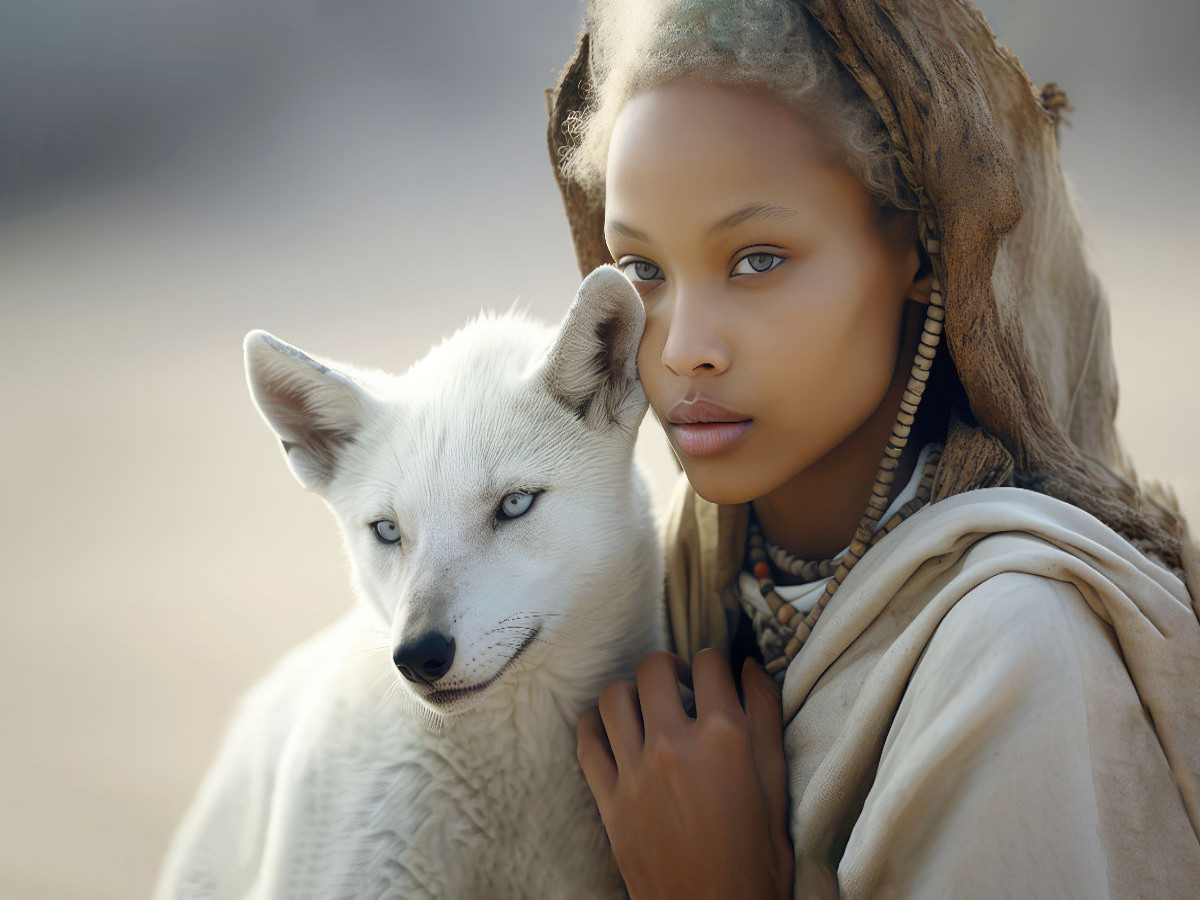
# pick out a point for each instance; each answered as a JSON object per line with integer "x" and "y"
{"x": 717, "y": 156}
{"x": 735, "y": 117}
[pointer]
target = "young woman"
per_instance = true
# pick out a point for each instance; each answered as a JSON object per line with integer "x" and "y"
{"x": 865, "y": 287}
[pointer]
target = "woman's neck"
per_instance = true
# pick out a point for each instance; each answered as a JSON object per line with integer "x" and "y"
{"x": 816, "y": 513}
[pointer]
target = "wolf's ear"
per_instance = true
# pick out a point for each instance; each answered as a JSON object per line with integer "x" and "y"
{"x": 315, "y": 410}
{"x": 592, "y": 366}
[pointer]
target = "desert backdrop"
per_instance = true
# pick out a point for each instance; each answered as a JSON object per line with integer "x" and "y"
{"x": 358, "y": 178}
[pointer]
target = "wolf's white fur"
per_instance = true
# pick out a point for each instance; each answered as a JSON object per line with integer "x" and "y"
{"x": 339, "y": 778}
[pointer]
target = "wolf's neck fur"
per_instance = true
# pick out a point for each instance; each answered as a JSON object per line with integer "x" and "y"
{"x": 529, "y": 709}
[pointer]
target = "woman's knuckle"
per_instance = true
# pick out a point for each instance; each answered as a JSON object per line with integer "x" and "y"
{"x": 662, "y": 753}
{"x": 726, "y": 732}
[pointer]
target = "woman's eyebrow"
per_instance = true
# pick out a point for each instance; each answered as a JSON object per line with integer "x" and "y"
{"x": 622, "y": 228}
{"x": 753, "y": 211}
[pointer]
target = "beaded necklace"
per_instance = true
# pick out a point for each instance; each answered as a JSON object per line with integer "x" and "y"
{"x": 781, "y": 635}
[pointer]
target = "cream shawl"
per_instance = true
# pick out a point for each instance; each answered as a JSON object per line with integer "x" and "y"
{"x": 1003, "y": 667}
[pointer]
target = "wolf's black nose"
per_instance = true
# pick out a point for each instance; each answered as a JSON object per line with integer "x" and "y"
{"x": 426, "y": 659}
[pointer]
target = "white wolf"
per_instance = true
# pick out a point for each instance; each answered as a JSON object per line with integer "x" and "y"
{"x": 507, "y": 567}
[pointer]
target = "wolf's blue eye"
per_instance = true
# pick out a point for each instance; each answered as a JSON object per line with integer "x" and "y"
{"x": 387, "y": 531}
{"x": 515, "y": 504}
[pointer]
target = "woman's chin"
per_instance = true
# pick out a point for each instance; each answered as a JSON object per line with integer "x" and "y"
{"x": 721, "y": 484}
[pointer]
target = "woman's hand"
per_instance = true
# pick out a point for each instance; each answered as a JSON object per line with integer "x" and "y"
{"x": 694, "y": 808}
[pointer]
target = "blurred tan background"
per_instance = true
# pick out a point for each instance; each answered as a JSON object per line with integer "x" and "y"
{"x": 358, "y": 177}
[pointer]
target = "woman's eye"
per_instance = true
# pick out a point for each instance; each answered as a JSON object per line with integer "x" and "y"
{"x": 755, "y": 263}
{"x": 387, "y": 531}
{"x": 515, "y": 505}
{"x": 639, "y": 270}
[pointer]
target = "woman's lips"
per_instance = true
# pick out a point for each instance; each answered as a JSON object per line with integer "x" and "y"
{"x": 700, "y": 427}
{"x": 704, "y": 438}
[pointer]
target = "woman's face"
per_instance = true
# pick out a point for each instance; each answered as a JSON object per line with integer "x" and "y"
{"x": 773, "y": 294}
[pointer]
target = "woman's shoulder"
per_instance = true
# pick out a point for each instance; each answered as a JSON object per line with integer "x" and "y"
{"x": 998, "y": 520}
{"x": 1027, "y": 551}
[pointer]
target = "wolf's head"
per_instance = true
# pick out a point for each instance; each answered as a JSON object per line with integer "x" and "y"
{"x": 488, "y": 496}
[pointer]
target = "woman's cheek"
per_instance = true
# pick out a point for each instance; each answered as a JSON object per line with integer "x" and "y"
{"x": 649, "y": 362}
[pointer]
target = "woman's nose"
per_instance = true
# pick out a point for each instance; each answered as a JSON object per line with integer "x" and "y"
{"x": 694, "y": 345}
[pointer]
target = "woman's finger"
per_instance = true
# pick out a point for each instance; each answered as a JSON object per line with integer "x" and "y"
{"x": 622, "y": 716}
{"x": 658, "y": 677}
{"x": 712, "y": 681}
{"x": 595, "y": 755}
{"x": 764, "y": 711}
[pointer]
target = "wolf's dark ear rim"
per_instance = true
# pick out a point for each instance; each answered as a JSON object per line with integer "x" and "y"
{"x": 316, "y": 411}
{"x": 591, "y": 368}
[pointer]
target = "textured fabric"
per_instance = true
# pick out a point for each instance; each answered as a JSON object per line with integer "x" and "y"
{"x": 1001, "y": 702}
{"x": 705, "y": 543}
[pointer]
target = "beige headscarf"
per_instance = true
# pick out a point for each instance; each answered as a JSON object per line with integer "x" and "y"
{"x": 1027, "y": 323}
